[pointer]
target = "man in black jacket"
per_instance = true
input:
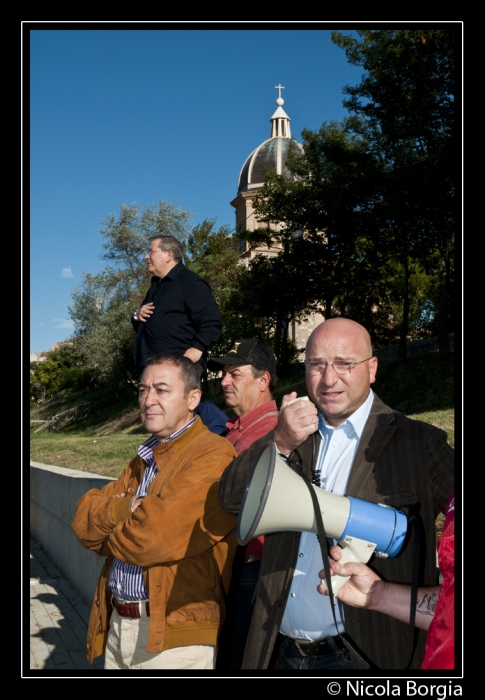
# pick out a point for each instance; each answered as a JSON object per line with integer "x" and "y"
{"x": 179, "y": 315}
{"x": 350, "y": 443}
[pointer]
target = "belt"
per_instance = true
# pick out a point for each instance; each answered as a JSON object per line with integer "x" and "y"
{"x": 324, "y": 647}
{"x": 250, "y": 558}
{"x": 130, "y": 608}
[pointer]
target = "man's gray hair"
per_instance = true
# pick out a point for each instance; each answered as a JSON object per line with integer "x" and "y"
{"x": 169, "y": 243}
{"x": 258, "y": 372}
{"x": 188, "y": 370}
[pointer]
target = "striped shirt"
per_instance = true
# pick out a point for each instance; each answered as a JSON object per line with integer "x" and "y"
{"x": 126, "y": 580}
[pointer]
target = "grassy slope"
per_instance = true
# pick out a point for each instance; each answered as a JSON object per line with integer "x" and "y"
{"x": 105, "y": 441}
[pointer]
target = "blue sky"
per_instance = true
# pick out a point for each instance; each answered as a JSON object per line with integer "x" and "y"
{"x": 127, "y": 115}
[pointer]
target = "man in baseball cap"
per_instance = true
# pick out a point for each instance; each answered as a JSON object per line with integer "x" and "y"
{"x": 248, "y": 377}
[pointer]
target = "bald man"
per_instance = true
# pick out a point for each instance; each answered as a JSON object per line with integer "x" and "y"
{"x": 347, "y": 442}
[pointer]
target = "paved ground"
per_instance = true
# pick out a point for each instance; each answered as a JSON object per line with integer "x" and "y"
{"x": 58, "y": 619}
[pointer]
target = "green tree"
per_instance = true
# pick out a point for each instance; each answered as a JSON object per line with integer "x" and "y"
{"x": 267, "y": 299}
{"x": 42, "y": 377}
{"x": 62, "y": 369}
{"x": 212, "y": 255}
{"x": 406, "y": 102}
{"x": 327, "y": 214}
{"x": 378, "y": 186}
{"x": 248, "y": 296}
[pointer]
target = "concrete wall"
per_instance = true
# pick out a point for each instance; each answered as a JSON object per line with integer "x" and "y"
{"x": 54, "y": 492}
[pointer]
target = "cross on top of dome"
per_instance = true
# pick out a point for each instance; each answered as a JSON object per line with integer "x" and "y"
{"x": 279, "y": 100}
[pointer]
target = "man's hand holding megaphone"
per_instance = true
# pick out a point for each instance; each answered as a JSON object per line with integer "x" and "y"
{"x": 296, "y": 421}
{"x": 360, "y": 588}
{"x": 365, "y": 589}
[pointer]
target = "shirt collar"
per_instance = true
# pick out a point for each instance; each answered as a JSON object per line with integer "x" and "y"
{"x": 178, "y": 432}
{"x": 243, "y": 421}
{"x": 146, "y": 449}
{"x": 357, "y": 420}
{"x": 176, "y": 269}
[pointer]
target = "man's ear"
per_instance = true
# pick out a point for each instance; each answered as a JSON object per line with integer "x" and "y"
{"x": 264, "y": 381}
{"x": 373, "y": 369}
{"x": 193, "y": 399}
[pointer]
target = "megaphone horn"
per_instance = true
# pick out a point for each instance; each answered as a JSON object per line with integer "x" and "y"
{"x": 276, "y": 499}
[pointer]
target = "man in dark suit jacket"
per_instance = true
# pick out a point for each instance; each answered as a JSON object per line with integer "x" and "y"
{"x": 387, "y": 458}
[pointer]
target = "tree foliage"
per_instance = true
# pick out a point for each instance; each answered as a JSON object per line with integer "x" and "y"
{"x": 267, "y": 298}
{"x": 373, "y": 194}
{"x": 62, "y": 369}
{"x": 212, "y": 255}
{"x": 406, "y": 101}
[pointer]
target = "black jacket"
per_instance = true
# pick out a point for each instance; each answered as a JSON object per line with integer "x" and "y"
{"x": 185, "y": 316}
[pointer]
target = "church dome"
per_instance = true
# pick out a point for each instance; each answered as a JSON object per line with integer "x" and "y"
{"x": 272, "y": 154}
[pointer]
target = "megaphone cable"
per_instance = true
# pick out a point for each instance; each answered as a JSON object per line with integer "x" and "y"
{"x": 322, "y": 539}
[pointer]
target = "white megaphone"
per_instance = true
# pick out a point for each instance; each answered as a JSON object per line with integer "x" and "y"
{"x": 276, "y": 499}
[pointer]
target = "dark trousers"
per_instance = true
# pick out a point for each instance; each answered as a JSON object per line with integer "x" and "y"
{"x": 238, "y": 618}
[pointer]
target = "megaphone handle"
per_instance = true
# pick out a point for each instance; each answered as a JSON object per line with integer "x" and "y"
{"x": 298, "y": 398}
{"x": 353, "y": 549}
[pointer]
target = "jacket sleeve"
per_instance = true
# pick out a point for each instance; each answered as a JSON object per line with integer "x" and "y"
{"x": 212, "y": 417}
{"x": 178, "y": 518}
{"x": 98, "y": 512}
{"x": 440, "y": 459}
{"x": 203, "y": 313}
{"x": 234, "y": 479}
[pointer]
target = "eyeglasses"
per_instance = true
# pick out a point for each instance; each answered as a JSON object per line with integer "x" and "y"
{"x": 318, "y": 367}
{"x": 150, "y": 251}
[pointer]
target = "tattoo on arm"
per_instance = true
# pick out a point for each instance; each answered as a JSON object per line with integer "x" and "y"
{"x": 427, "y": 604}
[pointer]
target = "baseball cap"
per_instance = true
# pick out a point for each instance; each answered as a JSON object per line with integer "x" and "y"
{"x": 247, "y": 351}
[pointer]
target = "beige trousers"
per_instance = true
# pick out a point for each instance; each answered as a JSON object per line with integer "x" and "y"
{"x": 126, "y": 648}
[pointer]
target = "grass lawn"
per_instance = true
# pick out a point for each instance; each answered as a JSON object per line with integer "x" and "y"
{"x": 444, "y": 419}
{"x": 107, "y": 455}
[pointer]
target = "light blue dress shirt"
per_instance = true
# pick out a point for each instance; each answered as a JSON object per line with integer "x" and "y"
{"x": 308, "y": 614}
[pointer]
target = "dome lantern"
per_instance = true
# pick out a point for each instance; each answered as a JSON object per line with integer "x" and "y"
{"x": 272, "y": 154}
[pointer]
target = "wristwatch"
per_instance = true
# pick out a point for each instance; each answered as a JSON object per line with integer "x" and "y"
{"x": 135, "y": 315}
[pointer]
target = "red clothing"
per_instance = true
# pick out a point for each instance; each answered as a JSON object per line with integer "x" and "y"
{"x": 440, "y": 642}
{"x": 242, "y": 432}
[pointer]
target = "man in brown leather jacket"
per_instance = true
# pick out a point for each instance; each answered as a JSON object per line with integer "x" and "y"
{"x": 169, "y": 545}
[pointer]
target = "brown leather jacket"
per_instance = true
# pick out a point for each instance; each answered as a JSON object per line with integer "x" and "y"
{"x": 179, "y": 534}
